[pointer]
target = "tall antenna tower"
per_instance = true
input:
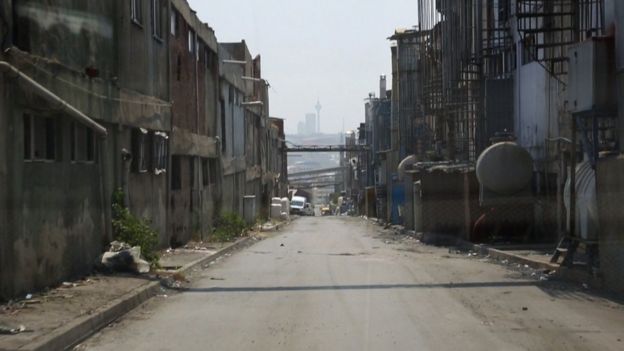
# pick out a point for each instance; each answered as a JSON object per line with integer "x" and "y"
{"x": 318, "y": 108}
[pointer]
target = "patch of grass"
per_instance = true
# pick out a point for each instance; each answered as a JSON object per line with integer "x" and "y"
{"x": 229, "y": 227}
{"x": 132, "y": 230}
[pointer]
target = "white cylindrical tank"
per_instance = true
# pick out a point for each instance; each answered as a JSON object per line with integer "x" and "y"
{"x": 505, "y": 168}
{"x": 586, "y": 203}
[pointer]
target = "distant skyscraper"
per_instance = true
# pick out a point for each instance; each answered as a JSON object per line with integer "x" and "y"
{"x": 318, "y": 116}
{"x": 301, "y": 128}
{"x": 310, "y": 124}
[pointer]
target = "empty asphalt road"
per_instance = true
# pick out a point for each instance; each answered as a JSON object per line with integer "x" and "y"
{"x": 343, "y": 284}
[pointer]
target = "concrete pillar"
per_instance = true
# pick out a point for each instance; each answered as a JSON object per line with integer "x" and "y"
{"x": 5, "y": 248}
{"x": 619, "y": 46}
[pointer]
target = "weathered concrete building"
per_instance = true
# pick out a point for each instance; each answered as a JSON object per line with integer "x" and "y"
{"x": 194, "y": 175}
{"x": 79, "y": 82}
{"x": 244, "y": 125}
{"x": 232, "y": 95}
{"x": 100, "y": 96}
{"x": 277, "y": 160}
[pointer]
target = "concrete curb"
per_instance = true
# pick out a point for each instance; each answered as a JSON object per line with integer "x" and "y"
{"x": 486, "y": 250}
{"x": 502, "y": 255}
{"x": 80, "y": 329}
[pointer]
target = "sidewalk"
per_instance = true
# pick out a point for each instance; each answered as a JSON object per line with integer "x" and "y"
{"x": 533, "y": 257}
{"x": 65, "y": 315}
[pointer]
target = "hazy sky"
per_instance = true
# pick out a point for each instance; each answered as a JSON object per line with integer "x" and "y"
{"x": 331, "y": 49}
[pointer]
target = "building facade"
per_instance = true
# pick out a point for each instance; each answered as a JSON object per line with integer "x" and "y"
{"x": 119, "y": 97}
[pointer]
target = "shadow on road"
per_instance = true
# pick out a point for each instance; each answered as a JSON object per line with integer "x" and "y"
{"x": 362, "y": 287}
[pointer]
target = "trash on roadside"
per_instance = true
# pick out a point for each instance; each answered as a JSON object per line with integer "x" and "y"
{"x": 29, "y": 296}
{"x": 5, "y": 330}
{"x": 525, "y": 308}
{"x": 122, "y": 257}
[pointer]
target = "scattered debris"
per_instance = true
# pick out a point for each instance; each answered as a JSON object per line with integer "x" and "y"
{"x": 180, "y": 277}
{"x": 525, "y": 308}
{"x": 122, "y": 257}
{"x": 4, "y": 330}
{"x": 282, "y": 245}
{"x": 214, "y": 278}
{"x": 29, "y": 296}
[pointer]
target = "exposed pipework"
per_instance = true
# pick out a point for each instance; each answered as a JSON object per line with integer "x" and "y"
{"x": 409, "y": 160}
{"x": 51, "y": 97}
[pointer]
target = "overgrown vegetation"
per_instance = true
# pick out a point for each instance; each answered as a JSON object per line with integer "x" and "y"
{"x": 229, "y": 227}
{"x": 132, "y": 230}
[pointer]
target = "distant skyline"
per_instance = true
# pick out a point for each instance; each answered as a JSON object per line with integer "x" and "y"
{"x": 327, "y": 50}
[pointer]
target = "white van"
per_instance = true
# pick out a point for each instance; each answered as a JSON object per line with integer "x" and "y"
{"x": 297, "y": 205}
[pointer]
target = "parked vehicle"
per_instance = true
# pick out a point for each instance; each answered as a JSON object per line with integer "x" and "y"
{"x": 297, "y": 205}
{"x": 325, "y": 210}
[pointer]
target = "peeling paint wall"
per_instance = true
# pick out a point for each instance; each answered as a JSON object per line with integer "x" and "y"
{"x": 194, "y": 77}
{"x": 55, "y": 225}
{"x": 90, "y": 54}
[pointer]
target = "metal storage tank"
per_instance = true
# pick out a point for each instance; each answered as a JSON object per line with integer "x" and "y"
{"x": 505, "y": 168}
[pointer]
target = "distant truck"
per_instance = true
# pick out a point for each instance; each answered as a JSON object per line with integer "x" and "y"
{"x": 297, "y": 205}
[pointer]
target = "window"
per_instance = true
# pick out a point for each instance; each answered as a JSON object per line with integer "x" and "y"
{"x": 223, "y": 127}
{"x": 83, "y": 143}
{"x": 174, "y": 22}
{"x": 136, "y": 13}
{"x": 198, "y": 48}
{"x": 176, "y": 180}
{"x": 27, "y": 137}
{"x": 140, "y": 149}
{"x": 179, "y": 68}
{"x": 191, "y": 41}
{"x": 40, "y": 138}
{"x": 211, "y": 60}
{"x": 157, "y": 30}
{"x": 213, "y": 166}
{"x": 160, "y": 152}
{"x": 205, "y": 175}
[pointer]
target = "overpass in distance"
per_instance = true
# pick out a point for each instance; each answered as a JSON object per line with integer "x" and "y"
{"x": 325, "y": 148}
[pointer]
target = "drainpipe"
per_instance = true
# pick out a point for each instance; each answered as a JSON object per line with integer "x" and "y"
{"x": 195, "y": 188}
{"x": 53, "y": 98}
{"x": 64, "y": 106}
